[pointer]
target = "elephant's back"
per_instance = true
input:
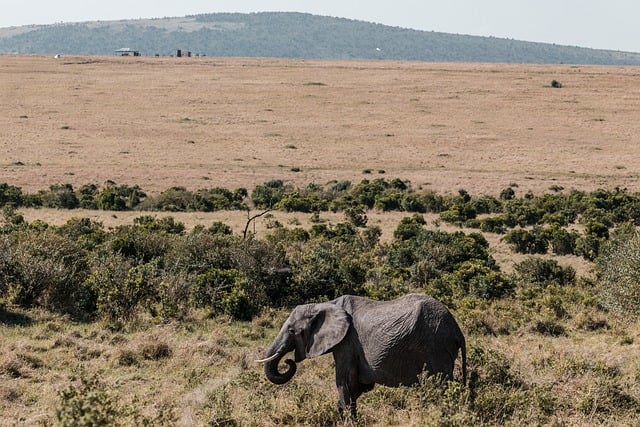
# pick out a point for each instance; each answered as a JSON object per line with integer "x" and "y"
{"x": 401, "y": 338}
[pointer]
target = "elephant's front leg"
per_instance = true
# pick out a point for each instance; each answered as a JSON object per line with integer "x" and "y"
{"x": 346, "y": 401}
{"x": 346, "y": 382}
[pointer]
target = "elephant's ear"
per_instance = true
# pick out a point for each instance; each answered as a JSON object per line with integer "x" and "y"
{"x": 328, "y": 328}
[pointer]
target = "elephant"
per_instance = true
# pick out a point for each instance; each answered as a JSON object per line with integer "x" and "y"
{"x": 373, "y": 342}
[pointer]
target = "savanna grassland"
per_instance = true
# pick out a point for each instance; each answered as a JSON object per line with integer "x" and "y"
{"x": 543, "y": 347}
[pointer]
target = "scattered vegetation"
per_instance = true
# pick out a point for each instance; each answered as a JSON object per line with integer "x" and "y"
{"x": 101, "y": 315}
{"x": 571, "y": 223}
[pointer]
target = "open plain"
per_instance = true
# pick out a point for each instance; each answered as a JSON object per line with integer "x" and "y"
{"x": 204, "y": 122}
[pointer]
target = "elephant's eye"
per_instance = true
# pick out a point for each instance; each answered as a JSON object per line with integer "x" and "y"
{"x": 291, "y": 331}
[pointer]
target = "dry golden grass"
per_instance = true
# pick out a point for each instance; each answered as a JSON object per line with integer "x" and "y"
{"x": 203, "y": 122}
{"x": 200, "y": 371}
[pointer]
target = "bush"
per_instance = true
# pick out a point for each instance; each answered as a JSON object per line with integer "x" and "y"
{"x": 618, "y": 271}
{"x": 174, "y": 199}
{"x": 120, "y": 297}
{"x": 86, "y": 404}
{"x": 544, "y": 272}
{"x": 507, "y": 194}
{"x": 165, "y": 224}
{"x": 267, "y": 195}
{"x": 238, "y": 305}
{"x": 429, "y": 254}
{"x": 47, "y": 270}
{"x": 493, "y": 225}
{"x": 10, "y": 195}
{"x": 86, "y": 232}
{"x": 211, "y": 286}
{"x": 459, "y": 213}
{"x": 60, "y": 196}
{"x": 356, "y": 216}
{"x": 588, "y": 246}
{"x": 219, "y": 227}
{"x": 88, "y": 196}
{"x": 474, "y": 278}
{"x": 563, "y": 242}
{"x": 119, "y": 197}
{"x": 297, "y": 202}
{"x": 139, "y": 244}
{"x": 409, "y": 227}
{"x": 527, "y": 242}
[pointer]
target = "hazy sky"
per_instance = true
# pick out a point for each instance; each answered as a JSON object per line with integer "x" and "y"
{"x": 610, "y": 24}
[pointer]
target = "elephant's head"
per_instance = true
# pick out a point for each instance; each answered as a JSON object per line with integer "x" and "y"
{"x": 310, "y": 331}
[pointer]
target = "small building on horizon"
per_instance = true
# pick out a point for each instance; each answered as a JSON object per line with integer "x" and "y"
{"x": 127, "y": 51}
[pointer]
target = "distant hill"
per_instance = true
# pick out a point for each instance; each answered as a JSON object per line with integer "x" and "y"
{"x": 290, "y": 35}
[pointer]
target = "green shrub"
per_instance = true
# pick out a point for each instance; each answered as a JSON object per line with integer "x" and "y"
{"x": 428, "y": 254}
{"x": 119, "y": 197}
{"x": 459, "y": 213}
{"x": 60, "y": 196}
{"x": 389, "y": 200}
{"x": 507, "y": 194}
{"x": 139, "y": 244}
{"x": 544, "y": 272}
{"x": 563, "y": 242}
{"x": 618, "y": 269}
{"x": 474, "y": 278}
{"x": 218, "y": 227}
{"x": 10, "y": 195}
{"x": 197, "y": 252}
{"x": 88, "y": 196}
{"x": 238, "y": 305}
{"x": 521, "y": 212}
{"x": 356, "y": 216}
{"x": 267, "y": 195}
{"x": 10, "y": 219}
{"x": 588, "y": 246}
{"x": 211, "y": 286}
{"x": 413, "y": 202}
{"x": 216, "y": 199}
{"x": 493, "y": 225}
{"x": 174, "y": 199}
{"x": 86, "y": 232}
{"x": 121, "y": 294}
{"x": 409, "y": 227}
{"x": 47, "y": 270}
{"x": 527, "y": 242}
{"x": 86, "y": 404}
{"x": 297, "y": 202}
{"x": 165, "y": 224}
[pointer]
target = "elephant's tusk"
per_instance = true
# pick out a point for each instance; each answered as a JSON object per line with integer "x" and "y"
{"x": 268, "y": 359}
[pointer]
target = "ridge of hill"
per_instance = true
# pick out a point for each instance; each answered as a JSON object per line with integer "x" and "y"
{"x": 290, "y": 35}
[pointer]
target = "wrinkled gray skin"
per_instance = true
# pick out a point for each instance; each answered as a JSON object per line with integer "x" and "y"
{"x": 372, "y": 342}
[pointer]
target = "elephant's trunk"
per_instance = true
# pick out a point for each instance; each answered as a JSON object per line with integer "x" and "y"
{"x": 274, "y": 375}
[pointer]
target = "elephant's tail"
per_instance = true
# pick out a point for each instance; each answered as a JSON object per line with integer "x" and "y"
{"x": 463, "y": 349}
